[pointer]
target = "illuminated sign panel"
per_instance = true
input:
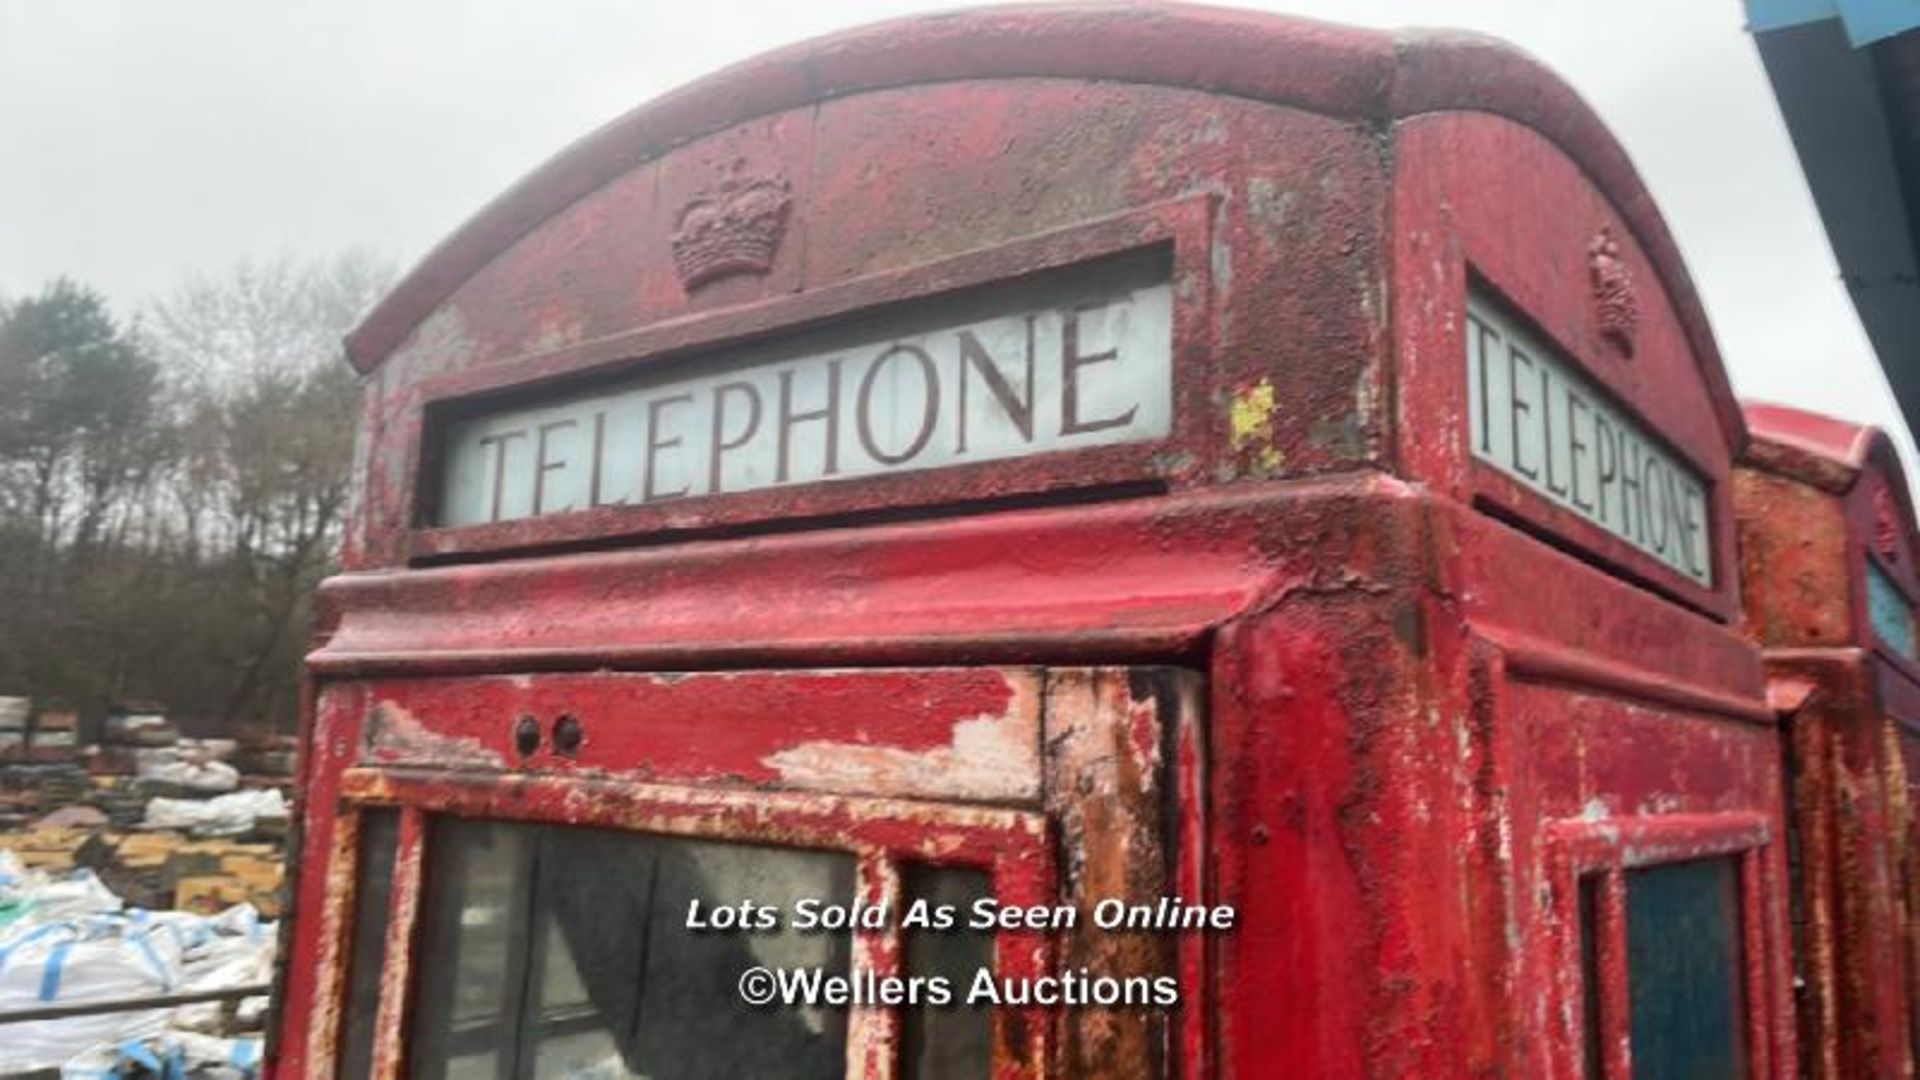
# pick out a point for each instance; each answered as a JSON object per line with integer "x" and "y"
{"x": 1537, "y": 419}
{"x": 1081, "y": 359}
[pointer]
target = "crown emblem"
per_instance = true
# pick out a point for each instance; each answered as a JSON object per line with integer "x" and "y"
{"x": 1614, "y": 302}
{"x": 734, "y": 226}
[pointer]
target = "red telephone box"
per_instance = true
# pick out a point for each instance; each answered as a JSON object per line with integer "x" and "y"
{"x": 1150, "y": 460}
{"x": 1827, "y": 543}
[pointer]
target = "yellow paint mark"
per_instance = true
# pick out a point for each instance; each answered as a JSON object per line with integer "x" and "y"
{"x": 1251, "y": 428}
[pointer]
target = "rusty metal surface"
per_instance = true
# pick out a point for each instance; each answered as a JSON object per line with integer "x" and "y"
{"x": 1109, "y": 732}
{"x": 399, "y": 959}
{"x": 1397, "y": 630}
{"x": 1110, "y": 149}
{"x": 1903, "y": 774}
{"x": 1820, "y": 500}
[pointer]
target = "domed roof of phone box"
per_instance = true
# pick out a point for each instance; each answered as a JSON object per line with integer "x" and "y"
{"x": 1336, "y": 71}
{"x": 1825, "y": 451}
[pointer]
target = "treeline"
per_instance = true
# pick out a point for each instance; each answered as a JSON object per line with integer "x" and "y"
{"x": 172, "y": 485}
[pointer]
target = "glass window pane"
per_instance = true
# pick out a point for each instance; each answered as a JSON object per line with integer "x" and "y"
{"x": 952, "y": 1042}
{"x": 1888, "y": 610}
{"x": 662, "y": 1001}
{"x": 1684, "y": 969}
{"x": 379, "y": 833}
{"x": 476, "y": 910}
{"x": 581, "y": 937}
{"x": 484, "y": 1065}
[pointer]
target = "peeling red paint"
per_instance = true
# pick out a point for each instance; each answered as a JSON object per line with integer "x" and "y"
{"x": 395, "y": 737}
{"x": 991, "y": 758}
{"x": 970, "y": 735}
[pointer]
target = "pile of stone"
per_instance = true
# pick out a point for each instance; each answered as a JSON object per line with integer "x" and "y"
{"x": 264, "y": 755}
{"x": 160, "y": 870}
{"x": 51, "y": 736}
{"x": 169, "y": 822}
{"x": 30, "y": 790}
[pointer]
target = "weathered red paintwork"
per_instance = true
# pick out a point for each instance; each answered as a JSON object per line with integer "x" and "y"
{"x": 1819, "y": 500}
{"x": 1430, "y": 697}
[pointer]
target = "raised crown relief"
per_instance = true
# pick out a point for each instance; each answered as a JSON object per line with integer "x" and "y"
{"x": 1616, "y": 308}
{"x": 732, "y": 227}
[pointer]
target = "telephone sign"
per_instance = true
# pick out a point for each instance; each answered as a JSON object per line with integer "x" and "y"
{"x": 1537, "y": 419}
{"x": 1080, "y": 360}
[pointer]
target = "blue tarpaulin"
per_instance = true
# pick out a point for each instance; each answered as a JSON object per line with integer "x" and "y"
{"x": 1866, "y": 21}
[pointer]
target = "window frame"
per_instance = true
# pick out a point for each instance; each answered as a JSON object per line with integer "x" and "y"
{"x": 1012, "y": 846}
{"x": 1604, "y": 850}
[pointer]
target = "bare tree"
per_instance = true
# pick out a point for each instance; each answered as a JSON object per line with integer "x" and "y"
{"x": 265, "y": 465}
{"x": 172, "y": 490}
{"x": 278, "y": 314}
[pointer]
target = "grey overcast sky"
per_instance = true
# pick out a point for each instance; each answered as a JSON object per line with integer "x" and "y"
{"x": 141, "y": 141}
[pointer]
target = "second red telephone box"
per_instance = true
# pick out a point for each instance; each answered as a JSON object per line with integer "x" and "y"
{"x": 1827, "y": 546}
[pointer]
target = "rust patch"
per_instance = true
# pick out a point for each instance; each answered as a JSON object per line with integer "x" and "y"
{"x": 395, "y": 736}
{"x": 330, "y": 968}
{"x": 1105, "y": 787}
{"x": 396, "y": 981}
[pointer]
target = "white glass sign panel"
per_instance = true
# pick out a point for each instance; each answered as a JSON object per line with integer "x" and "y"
{"x": 1889, "y": 611}
{"x": 1536, "y": 418}
{"x": 1080, "y": 359}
